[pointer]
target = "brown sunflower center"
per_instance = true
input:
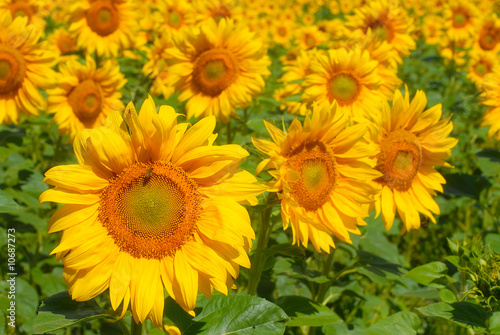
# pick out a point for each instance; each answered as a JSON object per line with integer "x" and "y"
{"x": 214, "y": 71}
{"x": 66, "y": 44}
{"x": 174, "y": 19}
{"x": 282, "y": 31}
{"x": 86, "y": 100}
{"x": 460, "y": 18}
{"x": 103, "y": 18}
{"x": 150, "y": 210}
{"x": 380, "y": 28}
{"x": 482, "y": 68}
{"x": 310, "y": 40}
{"x": 344, "y": 88}
{"x": 12, "y": 69}
{"x": 312, "y": 174}
{"x": 487, "y": 38}
{"x": 399, "y": 159}
{"x": 21, "y": 9}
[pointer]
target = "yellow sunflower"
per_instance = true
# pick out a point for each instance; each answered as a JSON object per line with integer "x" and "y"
{"x": 25, "y": 65}
{"x": 33, "y": 10}
{"x": 62, "y": 42}
{"x": 348, "y": 77}
{"x": 104, "y": 26}
{"x": 491, "y": 98}
{"x": 480, "y": 64}
{"x": 85, "y": 95}
{"x": 411, "y": 142}
{"x": 172, "y": 15}
{"x": 152, "y": 205}
{"x": 321, "y": 169}
{"x": 388, "y": 21}
{"x": 460, "y": 20}
{"x": 221, "y": 66}
{"x": 488, "y": 35}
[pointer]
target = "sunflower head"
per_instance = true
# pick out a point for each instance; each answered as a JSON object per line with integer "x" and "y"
{"x": 152, "y": 205}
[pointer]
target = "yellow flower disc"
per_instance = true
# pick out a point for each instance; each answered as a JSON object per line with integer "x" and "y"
{"x": 488, "y": 39}
{"x": 86, "y": 100}
{"x": 103, "y": 18}
{"x": 399, "y": 159}
{"x": 317, "y": 172}
{"x": 66, "y": 44}
{"x": 214, "y": 71}
{"x": 380, "y": 29}
{"x": 21, "y": 9}
{"x": 460, "y": 18}
{"x": 12, "y": 70}
{"x": 174, "y": 19}
{"x": 150, "y": 210}
{"x": 344, "y": 88}
{"x": 481, "y": 68}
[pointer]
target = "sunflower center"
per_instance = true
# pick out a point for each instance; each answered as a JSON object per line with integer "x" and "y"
{"x": 487, "y": 39}
{"x": 65, "y": 44}
{"x": 214, "y": 71}
{"x": 399, "y": 159}
{"x": 103, "y": 18}
{"x": 314, "y": 174}
{"x": 460, "y": 19}
{"x": 86, "y": 100}
{"x": 344, "y": 88}
{"x": 174, "y": 19}
{"x": 12, "y": 69}
{"x": 150, "y": 210}
{"x": 310, "y": 40}
{"x": 21, "y": 9}
{"x": 481, "y": 69}
{"x": 282, "y": 31}
{"x": 380, "y": 29}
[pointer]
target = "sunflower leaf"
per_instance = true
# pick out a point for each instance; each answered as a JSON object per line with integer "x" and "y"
{"x": 239, "y": 314}
{"x": 463, "y": 313}
{"x": 6, "y": 203}
{"x": 60, "y": 311}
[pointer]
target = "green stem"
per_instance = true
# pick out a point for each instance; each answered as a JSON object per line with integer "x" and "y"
{"x": 259, "y": 256}
{"x": 229, "y": 139}
{"x": 123, "y": 326}
{"x": 323, "y": 287}
{"x": 135, "y": 329}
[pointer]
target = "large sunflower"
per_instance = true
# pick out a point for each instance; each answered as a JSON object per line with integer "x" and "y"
{"x": 460, "y": 20}
{"x": 85, "y": 95}
{"x": 25, "y": 65}
{"x": 33, "y": 10}
{"x": 104, "y": 26}
{"x": 221, "y": 67}
{"x": 321, "y": 169}
{"x": 152, "y": 204}
{"x": 348, "y": 77}
{"x": 411, "y": 142}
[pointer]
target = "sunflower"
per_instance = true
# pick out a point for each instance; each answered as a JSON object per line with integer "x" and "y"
{"x": 62, "y": 42}
{"x": 321, "y": 169}
{"x": 31, "y": 9}
{"x": 85, "y": 95}
{"x": 25, "y": 65}
{"x": 491, "y": 98}
{"x": 432, "y": 29}
{"x": 460, "y": 20}
{"x": 480, "y": 64}
{"x": 411, "y": 142}
{"x": 221, "y": 66}
{"x": 152, "y": 205}
{"x": 348, "y": 77}
{"x": 488, "y": 36}
{"x": 104, "y": 26}
{"x": 388, "y": 21}
{"x": 173, "y": 15}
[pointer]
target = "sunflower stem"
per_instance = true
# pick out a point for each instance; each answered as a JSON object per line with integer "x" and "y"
{"x": 259, "y": 256}
{"x": 323, "y": 287}
{"x": 135, "y": 328}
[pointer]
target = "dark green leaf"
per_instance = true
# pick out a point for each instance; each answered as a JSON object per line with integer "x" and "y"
{"x": 60, "y": 311}
{"x": 463, "y": 313}
{"x": 429, "y": 274}
{"x": 239, "y": 314}
{"x": 305, "y": 312}
{"x": 461, "y": 184}
{"x": 377, "y": 265}
{"x": 7, "y": 205}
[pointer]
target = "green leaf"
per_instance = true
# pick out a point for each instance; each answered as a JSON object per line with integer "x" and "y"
{"x": 494, "y": 241}
{"x": 401, "y": 323}
{"x": 447, "y": 296}
{"x": 461, "y": 184}
{"x": 495, "y": 323}
{"x": 305, "y": 312}
{"x": 463, "y": 313}
{"x": 60, "y": 311}
{"x": 377, "y": 265}
{"x": 429, "y": 274}
{"x": 239, "y": 314}
{"x": 7, "y": 204}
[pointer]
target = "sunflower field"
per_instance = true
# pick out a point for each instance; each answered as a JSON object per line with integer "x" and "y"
{"x": 249, "y": 167}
